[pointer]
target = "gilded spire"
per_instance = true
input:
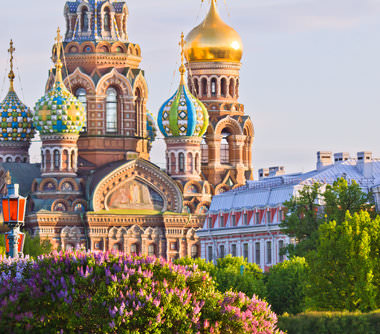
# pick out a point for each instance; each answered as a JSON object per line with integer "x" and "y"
{"x": 58, "y": 63}
{"x": 182, "y": 68}
{"x": 11, "y": 74}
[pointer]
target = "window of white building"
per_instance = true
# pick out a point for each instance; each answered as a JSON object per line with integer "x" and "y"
{"x": 221, "y": 251}
{"x": 209, "y": 254}
{"x": 245, "y": 251}
{"x": 245, "y": 219}
{"x": 257, "y": 253}
{"x": 257, "y": 218}
{"x": 280, "y": 246}
{"x": 233, "y": 250}
{"x": 269, "y": 252}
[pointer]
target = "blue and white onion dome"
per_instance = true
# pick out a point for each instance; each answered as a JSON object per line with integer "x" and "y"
{"x": 183, "y": 114}
{"x": 59, "y": 111}
{"x": 151, "y": 127}
{"x": 16, "y": 119}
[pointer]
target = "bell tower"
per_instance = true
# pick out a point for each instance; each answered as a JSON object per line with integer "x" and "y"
{"x": 213, "y": 52}
{"x": 102, "y": 70}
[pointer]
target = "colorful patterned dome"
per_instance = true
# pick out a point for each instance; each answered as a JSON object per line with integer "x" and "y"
{"x": 16, "y": 119}
{"x": 59, "y": 111}
{"x": 183, "y": 115}
{"x": 151, "y": 127}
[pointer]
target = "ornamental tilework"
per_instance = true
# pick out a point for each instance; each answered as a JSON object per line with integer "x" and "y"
{"x": 16, "y": 119}
{"x": 59, "y": 112}
{"x": 183, "y": 115}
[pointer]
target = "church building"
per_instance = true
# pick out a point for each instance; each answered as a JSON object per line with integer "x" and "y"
{"x": 95, "y": 186}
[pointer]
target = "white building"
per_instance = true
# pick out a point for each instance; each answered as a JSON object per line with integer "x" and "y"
{"x": 245, "y": 221}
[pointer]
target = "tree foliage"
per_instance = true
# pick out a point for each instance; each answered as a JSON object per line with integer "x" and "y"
{"x": 35, "y": 247}
{"x": 317, "y": 204}
{"x": 345, "y": 267}
{"x": 286, "y": 284}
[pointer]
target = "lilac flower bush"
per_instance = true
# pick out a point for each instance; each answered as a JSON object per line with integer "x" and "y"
{"x": 112, "y": 293}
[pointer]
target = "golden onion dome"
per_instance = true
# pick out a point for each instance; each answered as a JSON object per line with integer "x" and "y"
{"x": 213, "y": 40}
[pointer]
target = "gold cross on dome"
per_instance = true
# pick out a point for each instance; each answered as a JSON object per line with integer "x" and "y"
{"x": 182, "y": 69}
{"x": 58, "y": 40}
{"x": 11, "y": 74}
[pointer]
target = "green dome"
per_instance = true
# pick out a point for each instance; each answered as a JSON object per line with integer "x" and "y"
{"x": 59, "y": 112}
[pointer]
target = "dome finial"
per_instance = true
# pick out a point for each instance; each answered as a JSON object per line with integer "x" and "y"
{"x": 11, "y": 74}
{"x": 182, "y": 68}
{"x": 58, "y": 63}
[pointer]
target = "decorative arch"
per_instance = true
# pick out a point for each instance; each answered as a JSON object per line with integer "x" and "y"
{"x": 140, "y": 83}
{"x": 114, "y": 79}
{"x": 78, "y": 79}
{"x": 222, "y": 188}
{"x": 88, "y": 47}
{"x": 60, "y": 205}
{"x": 68, "y": 180}
{"x": 200, "y": 207}
{"x": 248, "y": 128}
{"x": 46, "y": 181}
{"x": 103, "y": 46}
{"x": 118, "y": 45}
{"x": 230, "y": 124}
{"x": 195, "y": 184}
{"x": 79, "y": 205}
{"x": 135, "y": 230}
{"x": 69, "y": 47}
{"x": 144, "y": 172}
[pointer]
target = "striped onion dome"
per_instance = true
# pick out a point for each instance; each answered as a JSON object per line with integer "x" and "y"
{"x": 183, "y": 114}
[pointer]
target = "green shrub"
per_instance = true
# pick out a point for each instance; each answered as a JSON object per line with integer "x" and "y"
{"x": 331, "y": 323}
{"x": 285, "y": 286}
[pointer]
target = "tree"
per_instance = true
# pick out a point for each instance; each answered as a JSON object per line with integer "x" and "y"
{"x": 342, "y": 197}
{"x": 315, "y": 205}
{"x": 302, "y": 219}
{"x": 286, "y": 284}
{"x": 35, "y": 247}
{"x": 237, "y": 274}
{"x": 345, "y": 267}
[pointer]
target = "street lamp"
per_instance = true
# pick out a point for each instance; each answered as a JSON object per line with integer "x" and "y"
{"x": 14, "y": 207}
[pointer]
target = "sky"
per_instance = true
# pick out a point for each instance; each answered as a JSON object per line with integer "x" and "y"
{"x": 310, "y": 77}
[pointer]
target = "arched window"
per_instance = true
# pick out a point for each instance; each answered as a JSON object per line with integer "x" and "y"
{"x": 224, "y": 87}
{"x": 194, "y": 251}
{"x": 237, "y": 89}
{"x": 172, "y": 163}
{"x": 84, "y": 20}
{"x": 73, "y": 162}
{"x": 232, "y": 88}
{"x": 151, "y": 250}
{"x": 119, "y": 49}
{"x": 196, "y": 87}
{"x": 81, "y": 95}
{"x": 111, "y": 110}
{"x": 189, "y": 167}
{"x": 107, "y": 20}
{"x": 225, "y": 148}
{"x": 197, "y": 162}
{"x": 213, "y": 87}
{"x": 134, "y": 249}
{"x": 9, "y": 159}
{"x": 57, "y": 160}
{"x": 181, "y": 159}
{"x": 204, "y": 86}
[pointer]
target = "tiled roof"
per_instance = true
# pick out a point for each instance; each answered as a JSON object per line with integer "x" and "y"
{"x": 23, "y": 174}
{"x": 273, "y": 191}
